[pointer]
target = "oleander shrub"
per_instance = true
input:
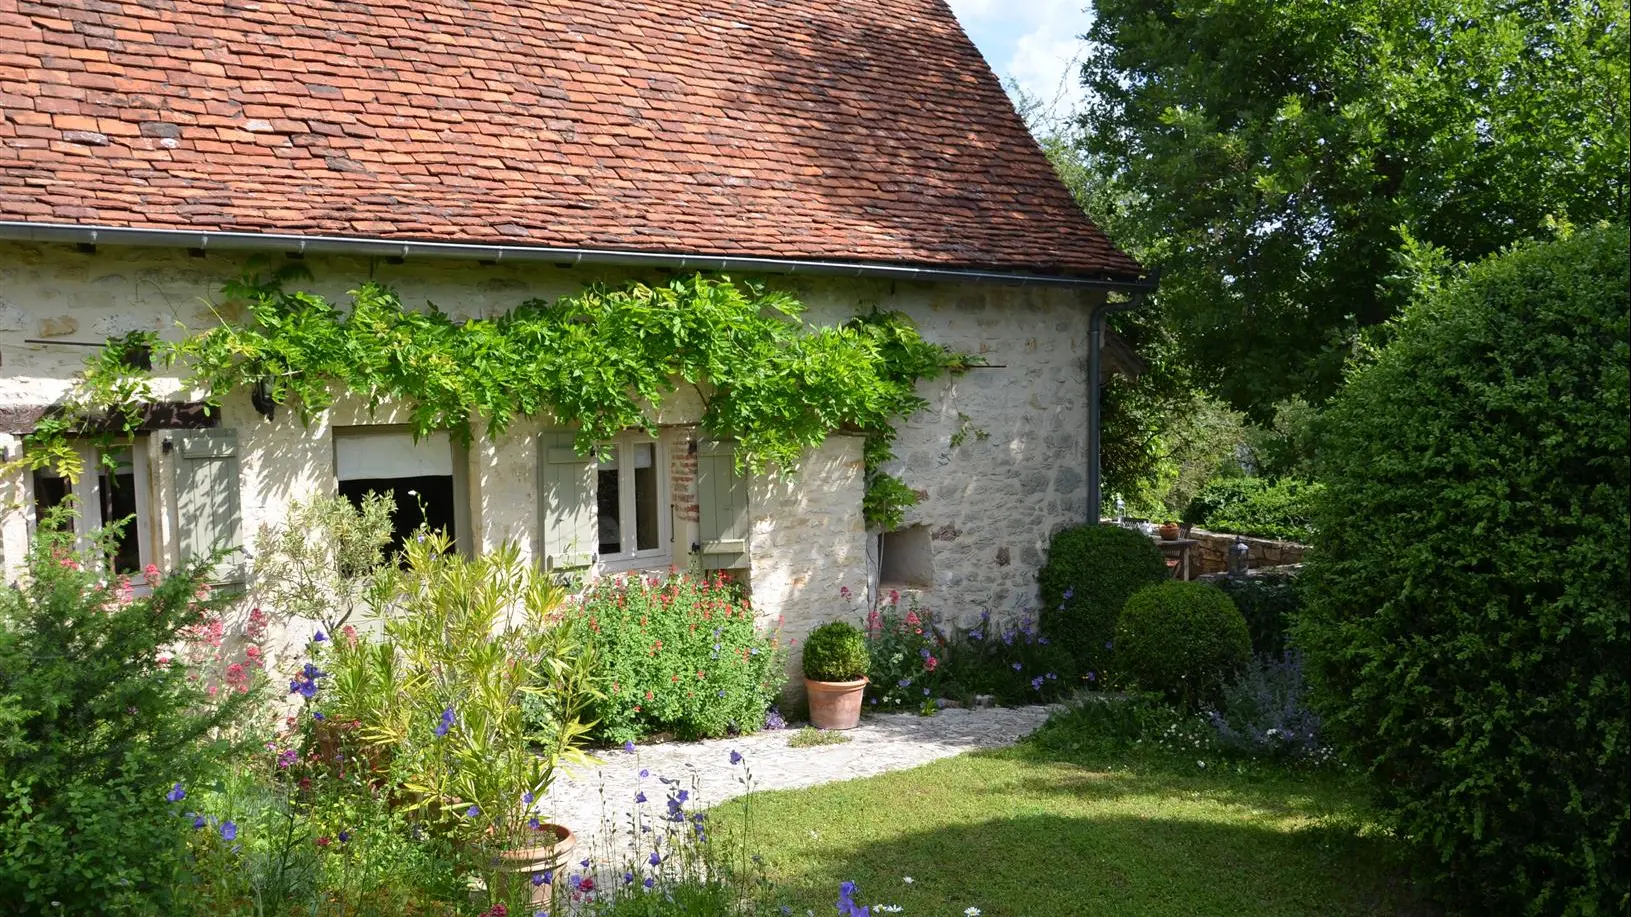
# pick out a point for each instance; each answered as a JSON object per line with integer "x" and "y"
{"x": 1466, "y": 613}
{"x": 1090, "y": 573}
{"x": 679, "y": 654}
{"x": 1184, "y": 641}
{"x": 1269, "y": 602}
{"x": 103, "y": 734}
{"x": 1280, "y": 509}
{"x": 836, "y": 651}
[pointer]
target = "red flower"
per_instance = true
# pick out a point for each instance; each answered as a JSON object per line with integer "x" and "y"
{"x": 323, "y": 841}
{"x": 586, "y": 884}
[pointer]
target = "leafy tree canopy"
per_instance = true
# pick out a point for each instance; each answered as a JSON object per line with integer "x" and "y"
{"x": 1296, "y": 166}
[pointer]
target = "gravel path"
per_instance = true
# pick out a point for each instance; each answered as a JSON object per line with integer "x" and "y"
{"x": 589, "y": 801}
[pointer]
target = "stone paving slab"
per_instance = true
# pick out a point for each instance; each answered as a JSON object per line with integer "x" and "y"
{"x": 591, "y": 800}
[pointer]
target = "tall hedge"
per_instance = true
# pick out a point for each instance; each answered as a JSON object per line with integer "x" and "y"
{"x": 1466, "y": 616}
{"x": 1090, "y": 573}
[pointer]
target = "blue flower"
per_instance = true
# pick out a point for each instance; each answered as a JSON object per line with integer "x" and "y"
{"x": 345, "y": 836}
{"x": 229, "y": 830}
{"x": 538, "y": 879}
{"x": 629, "y": 746}
{"x": 312, "y": 672}
{"x": 640, "y": 797}
{"x": 1070, "y": 593}
{"x": 1017, "y": 667}
{"x": 319, "y": 637}
{"x": 736, "y": 756}
{"x": 924, "y": 652}
{"x": 976, "y": 635}
{"x": 526, "y": 798}
{"x": 1092, "y": 676}
{"x": 655, "y": 859}
{"x": 1036, "y": 683}
{"x": 925, "y": 692}
{"x": 318, "y": 716}
{"x": 445, "y": 724}
{"x": 904, "y": 683}
{"x": 198, "y": 822}
{"x": 472, "y": 812}
{"x": 546, "y": 878}
{"x": 176, "y": 793}
{"x": 1052, "y": 676}
{"x": 684, "y": 795}
{"x": 535, "y": 824}
{"x": 649, "y": 882}
{"x": 584, "y": 863}
{"x": 644, "y": 773}
{"x": 628, "y": 878}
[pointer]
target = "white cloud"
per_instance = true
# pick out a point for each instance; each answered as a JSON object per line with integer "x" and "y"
{"x": 1036, "y": 43}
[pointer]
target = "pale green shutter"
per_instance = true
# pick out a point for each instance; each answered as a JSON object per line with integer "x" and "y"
{"x": 722, "y": 507}
{"x": 208, "y": 515}
{"x": 566, "y": 501}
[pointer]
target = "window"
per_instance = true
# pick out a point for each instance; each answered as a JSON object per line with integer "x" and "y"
{"x": 112, "y": 488}
{"x": 629, "y": 496}
{"x": 421, "y": 478}
{"x": 907, "y": 558}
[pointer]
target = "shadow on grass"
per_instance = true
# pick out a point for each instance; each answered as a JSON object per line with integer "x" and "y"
{"x": 1052, "y": 866}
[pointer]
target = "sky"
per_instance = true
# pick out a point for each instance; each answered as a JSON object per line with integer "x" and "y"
{"x": 1034, "y": 42}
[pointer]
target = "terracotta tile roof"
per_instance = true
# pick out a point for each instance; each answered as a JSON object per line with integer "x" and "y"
{"x": 826, "y": 129}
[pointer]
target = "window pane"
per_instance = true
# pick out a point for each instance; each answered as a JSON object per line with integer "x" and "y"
{"x": 49, "y": 492}
{"x": 645, "y": 496}
{"x": 607, "y": 502}
{"x": 119, "y": 505}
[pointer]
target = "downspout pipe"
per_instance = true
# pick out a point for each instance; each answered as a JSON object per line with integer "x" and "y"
{"x": 1095, "y": 344}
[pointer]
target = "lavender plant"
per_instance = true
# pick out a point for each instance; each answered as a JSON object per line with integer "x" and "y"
{"x": 1265, "y": 714}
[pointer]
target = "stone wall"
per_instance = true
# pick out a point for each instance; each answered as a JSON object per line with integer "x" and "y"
{"x": 1212, "y": 552}
{"x": 991, "y": 502}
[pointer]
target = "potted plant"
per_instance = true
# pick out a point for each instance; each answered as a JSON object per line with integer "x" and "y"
{"x": 835, "y": 667}
{"x": 469, "y": 638}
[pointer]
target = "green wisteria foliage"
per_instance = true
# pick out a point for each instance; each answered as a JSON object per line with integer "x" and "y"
{"x": 604, "y": 358}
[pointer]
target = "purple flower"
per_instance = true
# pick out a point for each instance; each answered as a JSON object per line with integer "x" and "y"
{"x": 904, "y": 683}
{"x": 198, "y": 822}
{"x": 535, "y": 824}
{"x": 584, "y": 863}
{"x": 176, "y": 793}
{"x": 644, "y": 773}
{"x": 1070, "y": 593}
{"x": 628, "y": 878}
{"x": 655, "y": 859}
{"x": 1092, "y": 676}
{"x": 318, "y": 716}
{"x": 526, "y": 798}
{"x": 976, "y": 635}
{"x": 924, "y": 652}
{"x": 319, "y": 637}
{"x": 1036, "y": 683}
{"x": 538, "y": 879}
{"x": 1017, "y": 667}
{"x": 649, "y": 882}
{"x": 629, "y": 746}
{"x": 445, "y": 724}
{"x": 472, "y": 812}
{"x": 775, "y": 720}
{"x": 312, "y": 672}
{"x": 345, "y": 836}
{"x": 229, "y": 830}
{"x": 640, "y": 797}
{"x": 545, "y": 878}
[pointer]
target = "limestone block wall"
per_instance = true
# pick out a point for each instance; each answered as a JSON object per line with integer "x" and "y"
{"x": 1212, "y": 551}
{"x": 988, "y": 504}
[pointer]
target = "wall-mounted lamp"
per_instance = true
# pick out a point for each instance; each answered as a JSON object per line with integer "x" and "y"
{"x": 262, "y": 401}
{"x": 167, "y": 446}
{"x": 691, "y": 446}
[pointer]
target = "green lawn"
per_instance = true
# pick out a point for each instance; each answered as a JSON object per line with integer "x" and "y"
{"x": 1029, "y": 832}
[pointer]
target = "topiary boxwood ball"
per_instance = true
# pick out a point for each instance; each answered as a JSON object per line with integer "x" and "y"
{"x": 1183, "y": 640}
{"x": 835, "y": 652}
{"x": 1465, "y": 622}
{"x": 1090, "y": 573}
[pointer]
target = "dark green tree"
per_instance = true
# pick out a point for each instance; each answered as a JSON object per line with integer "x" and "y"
{"x": 1292, "y": 164}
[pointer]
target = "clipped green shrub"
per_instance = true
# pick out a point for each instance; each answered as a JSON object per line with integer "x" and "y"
{"x": 1255, "y": 507}
{"x": 1466, "y": 622}
{"x": 1090, "y": 573}
{"x": 1270, "y": 603}
{"x": 1181, "y": 640}
{"x": 835, "y": 651}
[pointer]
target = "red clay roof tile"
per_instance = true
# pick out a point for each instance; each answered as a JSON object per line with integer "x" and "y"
{"x": 825, "y": 129}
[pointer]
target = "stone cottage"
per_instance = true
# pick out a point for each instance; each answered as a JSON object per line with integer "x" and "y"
{"x": 476, "y": 154}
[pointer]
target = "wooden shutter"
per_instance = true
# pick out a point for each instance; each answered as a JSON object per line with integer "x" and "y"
{"x": 208, "y": 515}
{"x": 722, "y": 507}
{"x": 566, "y": 502}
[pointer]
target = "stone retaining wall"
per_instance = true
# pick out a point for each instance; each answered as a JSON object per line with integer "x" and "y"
{"x": 1212, "y": 552}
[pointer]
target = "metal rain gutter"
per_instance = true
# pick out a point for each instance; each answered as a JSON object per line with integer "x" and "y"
{"x": 208, "y": 240}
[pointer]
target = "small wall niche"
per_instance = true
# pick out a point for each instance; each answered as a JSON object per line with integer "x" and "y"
{"x": 907, "y": 558}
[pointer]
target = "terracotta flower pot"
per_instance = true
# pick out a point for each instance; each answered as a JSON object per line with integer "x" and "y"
{"x": 1169, "y": 531}
{"x": 516, "y": 866}
{"x": 835, "y": 704}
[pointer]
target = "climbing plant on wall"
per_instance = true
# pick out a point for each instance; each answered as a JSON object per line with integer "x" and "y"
{"x": 605, "y": 358}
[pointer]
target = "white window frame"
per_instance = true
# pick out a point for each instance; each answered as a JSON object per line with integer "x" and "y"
{"x": 632, "y": 558}
{"x": 89, "y": 491}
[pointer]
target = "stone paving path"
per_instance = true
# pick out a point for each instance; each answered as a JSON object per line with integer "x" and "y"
{"x": 589, "y": 801}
